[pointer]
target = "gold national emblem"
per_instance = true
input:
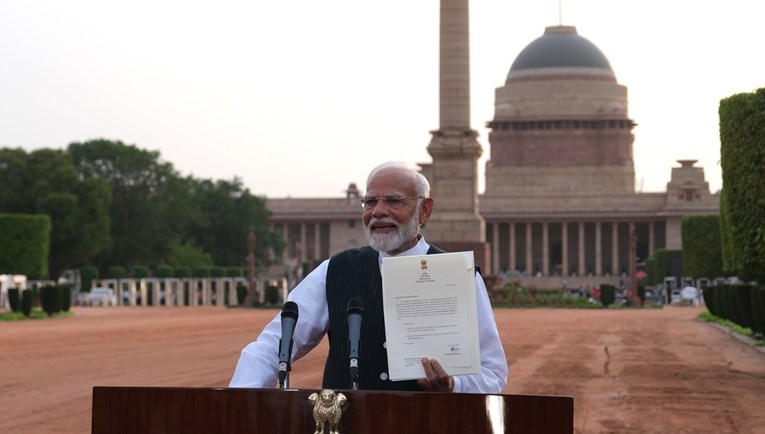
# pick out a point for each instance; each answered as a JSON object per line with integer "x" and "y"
{"x": 327, "y": 410}
{"x": 424, "y": 264}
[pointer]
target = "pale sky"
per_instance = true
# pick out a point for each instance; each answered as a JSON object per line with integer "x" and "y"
{"x": 300, "y": 98}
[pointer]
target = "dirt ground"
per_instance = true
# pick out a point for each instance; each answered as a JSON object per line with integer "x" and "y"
{"x": 629, "y": 371}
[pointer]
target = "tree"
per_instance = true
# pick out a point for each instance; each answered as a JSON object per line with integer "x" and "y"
{"x": 148, "y": 206}
{"x": 229, "y": 211}
{"x": 46, "y": 182}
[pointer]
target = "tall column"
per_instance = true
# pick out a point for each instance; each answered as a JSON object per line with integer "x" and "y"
{"x": 513, "y": 264}
{"x": 457, "y": 225}
{"x": 564, "y": 248}
{"x": 303, "y": 242}
{"x": 529, "y": 257}
{"x": 651, "y": 245}
{"x": 495, "y": 248}
{"x": 545, "y": 249}
{"x": 598, "y": 250}
{"x": 581, "y": 261}
{"x": 615, "y": 249}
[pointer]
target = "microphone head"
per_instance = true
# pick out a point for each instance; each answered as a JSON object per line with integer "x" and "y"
{"x": 290, "y": 310}
{"x": 355, "y": 306}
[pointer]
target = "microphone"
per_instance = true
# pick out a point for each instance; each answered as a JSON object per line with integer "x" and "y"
{"x": 354, "y": 315}
{"x": 289, "y": 318}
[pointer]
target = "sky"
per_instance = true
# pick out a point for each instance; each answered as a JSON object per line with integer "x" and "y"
{"x": 300, "y": 98}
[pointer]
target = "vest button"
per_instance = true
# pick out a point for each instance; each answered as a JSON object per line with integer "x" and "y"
{"x": 383, "y": 376}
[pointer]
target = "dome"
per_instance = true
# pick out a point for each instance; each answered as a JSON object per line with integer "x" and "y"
{"x": 561, "y": 47}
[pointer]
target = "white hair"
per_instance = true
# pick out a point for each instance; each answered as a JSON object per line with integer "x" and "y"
{"x": 421, "y": 183}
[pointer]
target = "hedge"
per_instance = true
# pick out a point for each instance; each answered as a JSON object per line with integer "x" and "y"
{"x": 702, "y": 248}
{"x": 26, "y": 243}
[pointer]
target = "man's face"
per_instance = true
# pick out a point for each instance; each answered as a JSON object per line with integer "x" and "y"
{"x": 392, "y": 223}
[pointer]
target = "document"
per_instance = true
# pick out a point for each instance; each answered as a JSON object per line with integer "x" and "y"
{"x": 430, "y": 311}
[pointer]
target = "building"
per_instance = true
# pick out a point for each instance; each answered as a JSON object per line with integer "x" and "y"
{"x": 560, "y": 202}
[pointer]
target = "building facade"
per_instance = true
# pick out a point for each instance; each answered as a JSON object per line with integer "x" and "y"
{"x": 560, "y": 202}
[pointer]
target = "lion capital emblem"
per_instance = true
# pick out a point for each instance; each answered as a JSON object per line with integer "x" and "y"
{"x": 327, "y": 410}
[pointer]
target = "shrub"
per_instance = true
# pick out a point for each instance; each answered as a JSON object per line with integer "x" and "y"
{"x": 272, "y": 295}
{"x": 13, "y": 299}
{"x": 65, "y": 297}
{"x": 234, "y": 272}
{"x": 49, "y": 298}
{"x": 241, "y": 293}
{"x": 163, "y": 271}
{"x": 87, "y": 274}
{"x": 182, "y": 272}
{"x": 116, "y": 272}
{"x": 139, "y": 271}
{"x": 26, "y": 302}
{"x": 26, "y": 244}
{"x": 200, "y": 272}
{"x": 607, "y": 294}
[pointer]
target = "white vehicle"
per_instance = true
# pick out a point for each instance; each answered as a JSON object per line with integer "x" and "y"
{"x": 100, "y": 297}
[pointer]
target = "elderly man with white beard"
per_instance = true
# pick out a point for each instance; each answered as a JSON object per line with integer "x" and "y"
{"x": 396, "y": 205}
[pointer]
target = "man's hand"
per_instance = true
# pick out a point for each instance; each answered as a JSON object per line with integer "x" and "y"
{"x": 438, "y": 380}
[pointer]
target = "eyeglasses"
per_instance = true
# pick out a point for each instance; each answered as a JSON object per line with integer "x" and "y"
{"x": 392, "y": 202}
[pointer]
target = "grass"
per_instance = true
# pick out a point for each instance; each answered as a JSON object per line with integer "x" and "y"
{"x": 735, "y": 328}
{"x": 35, "y": 314}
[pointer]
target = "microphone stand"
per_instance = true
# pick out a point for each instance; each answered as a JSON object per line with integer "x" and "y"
{"x": 354, "y": 374}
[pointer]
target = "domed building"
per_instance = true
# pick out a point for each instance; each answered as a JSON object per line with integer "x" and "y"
{"x": 560, "y": 201}
{"x": 560, "y": 197}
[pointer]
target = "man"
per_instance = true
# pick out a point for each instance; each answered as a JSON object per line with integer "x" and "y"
{"x": 396, "y": 205}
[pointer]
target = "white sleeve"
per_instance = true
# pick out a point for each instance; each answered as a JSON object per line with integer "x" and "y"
{"x": 493, "y": 376}
{"x": 258, "y": 364}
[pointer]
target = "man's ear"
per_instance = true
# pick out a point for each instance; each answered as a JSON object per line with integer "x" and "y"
{"x": 426, "y": 208}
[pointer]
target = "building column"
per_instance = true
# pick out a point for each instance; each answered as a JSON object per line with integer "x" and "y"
{"x": 651, "y": 245}
{"x": 598, "y": 250}
{"x": 564, "y": 249}
{"x": 529, "y": 256}
{"x": 286, "y": 251}
{"x": 615, "y": 249}
{"x": 581, "y": 260}
{"x": 545, "y": 249}
{"x": 512, "y": 248}
{"x": 494, "y": 248}
{"x": 303, "y": 243}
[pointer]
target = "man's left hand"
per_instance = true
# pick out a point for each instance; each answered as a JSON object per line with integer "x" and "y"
{"x": 437, "y": 379}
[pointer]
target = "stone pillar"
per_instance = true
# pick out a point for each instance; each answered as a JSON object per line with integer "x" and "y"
{"x": 615, "y": 249}
{"x": 456, "y": 223}
{"x": 581, "y": 262}
{"x": 303, "y": 243}
{"x": 545, "y": 249}
{"x": 250, "y": 297}
{"x": 633, "y": 295}
{"x": 529, "y": 256}
{"x": 513, "y": 264}
{"x": 651, "y": 236}
{"x": 598, "y": 250}
{"x": 564, "y": 249}
{"x": 495, "y": 248}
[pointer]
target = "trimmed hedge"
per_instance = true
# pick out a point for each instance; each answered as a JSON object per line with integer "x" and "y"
{"x": 163, "y": 271}
{"x": 702, "y": 247}
{"x": 116, "y": 272}
{"x": 742, "y": 158}
{"x": 26, "y": 243}
{"x": 26, "y": 301}
{"x": 87, "y": 274}
{"x": 14, "y": 299}
{"x": 607, "y": 294}
{"x": 741, "y": 304}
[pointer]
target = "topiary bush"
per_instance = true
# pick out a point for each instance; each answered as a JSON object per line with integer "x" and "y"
{"x": 607, "y": 294}
{"x": 49, "y": 298}
{"x": 241, "y": 293}
{"x": 87, "y": 274}
{"x": 26, "y": 302}
{"x": 65, "y": 297}
{"x": 13, "y": 299}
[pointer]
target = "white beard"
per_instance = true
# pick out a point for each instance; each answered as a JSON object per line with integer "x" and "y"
{"x": 392, "y": 241}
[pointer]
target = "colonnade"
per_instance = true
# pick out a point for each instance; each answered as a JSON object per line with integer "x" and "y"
{"x": 570, "y": 248}
{"x": 212, "y": 291}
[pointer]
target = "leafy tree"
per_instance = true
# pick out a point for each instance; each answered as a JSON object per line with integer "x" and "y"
{"x": 46, "y": 182}
{"x": 148, "y": 199}
{"x": 229, "y": 211}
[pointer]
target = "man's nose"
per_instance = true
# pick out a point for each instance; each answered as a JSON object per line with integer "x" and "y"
{"x": 380, "y": 209}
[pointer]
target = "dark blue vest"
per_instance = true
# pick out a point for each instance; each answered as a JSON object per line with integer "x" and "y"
{"x": 351, "y": 274}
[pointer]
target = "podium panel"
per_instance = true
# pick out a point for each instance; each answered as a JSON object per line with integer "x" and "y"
{"x": 144, "y": 410}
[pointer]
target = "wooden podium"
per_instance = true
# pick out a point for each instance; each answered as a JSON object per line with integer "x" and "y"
{"x": 145, "y": 410}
